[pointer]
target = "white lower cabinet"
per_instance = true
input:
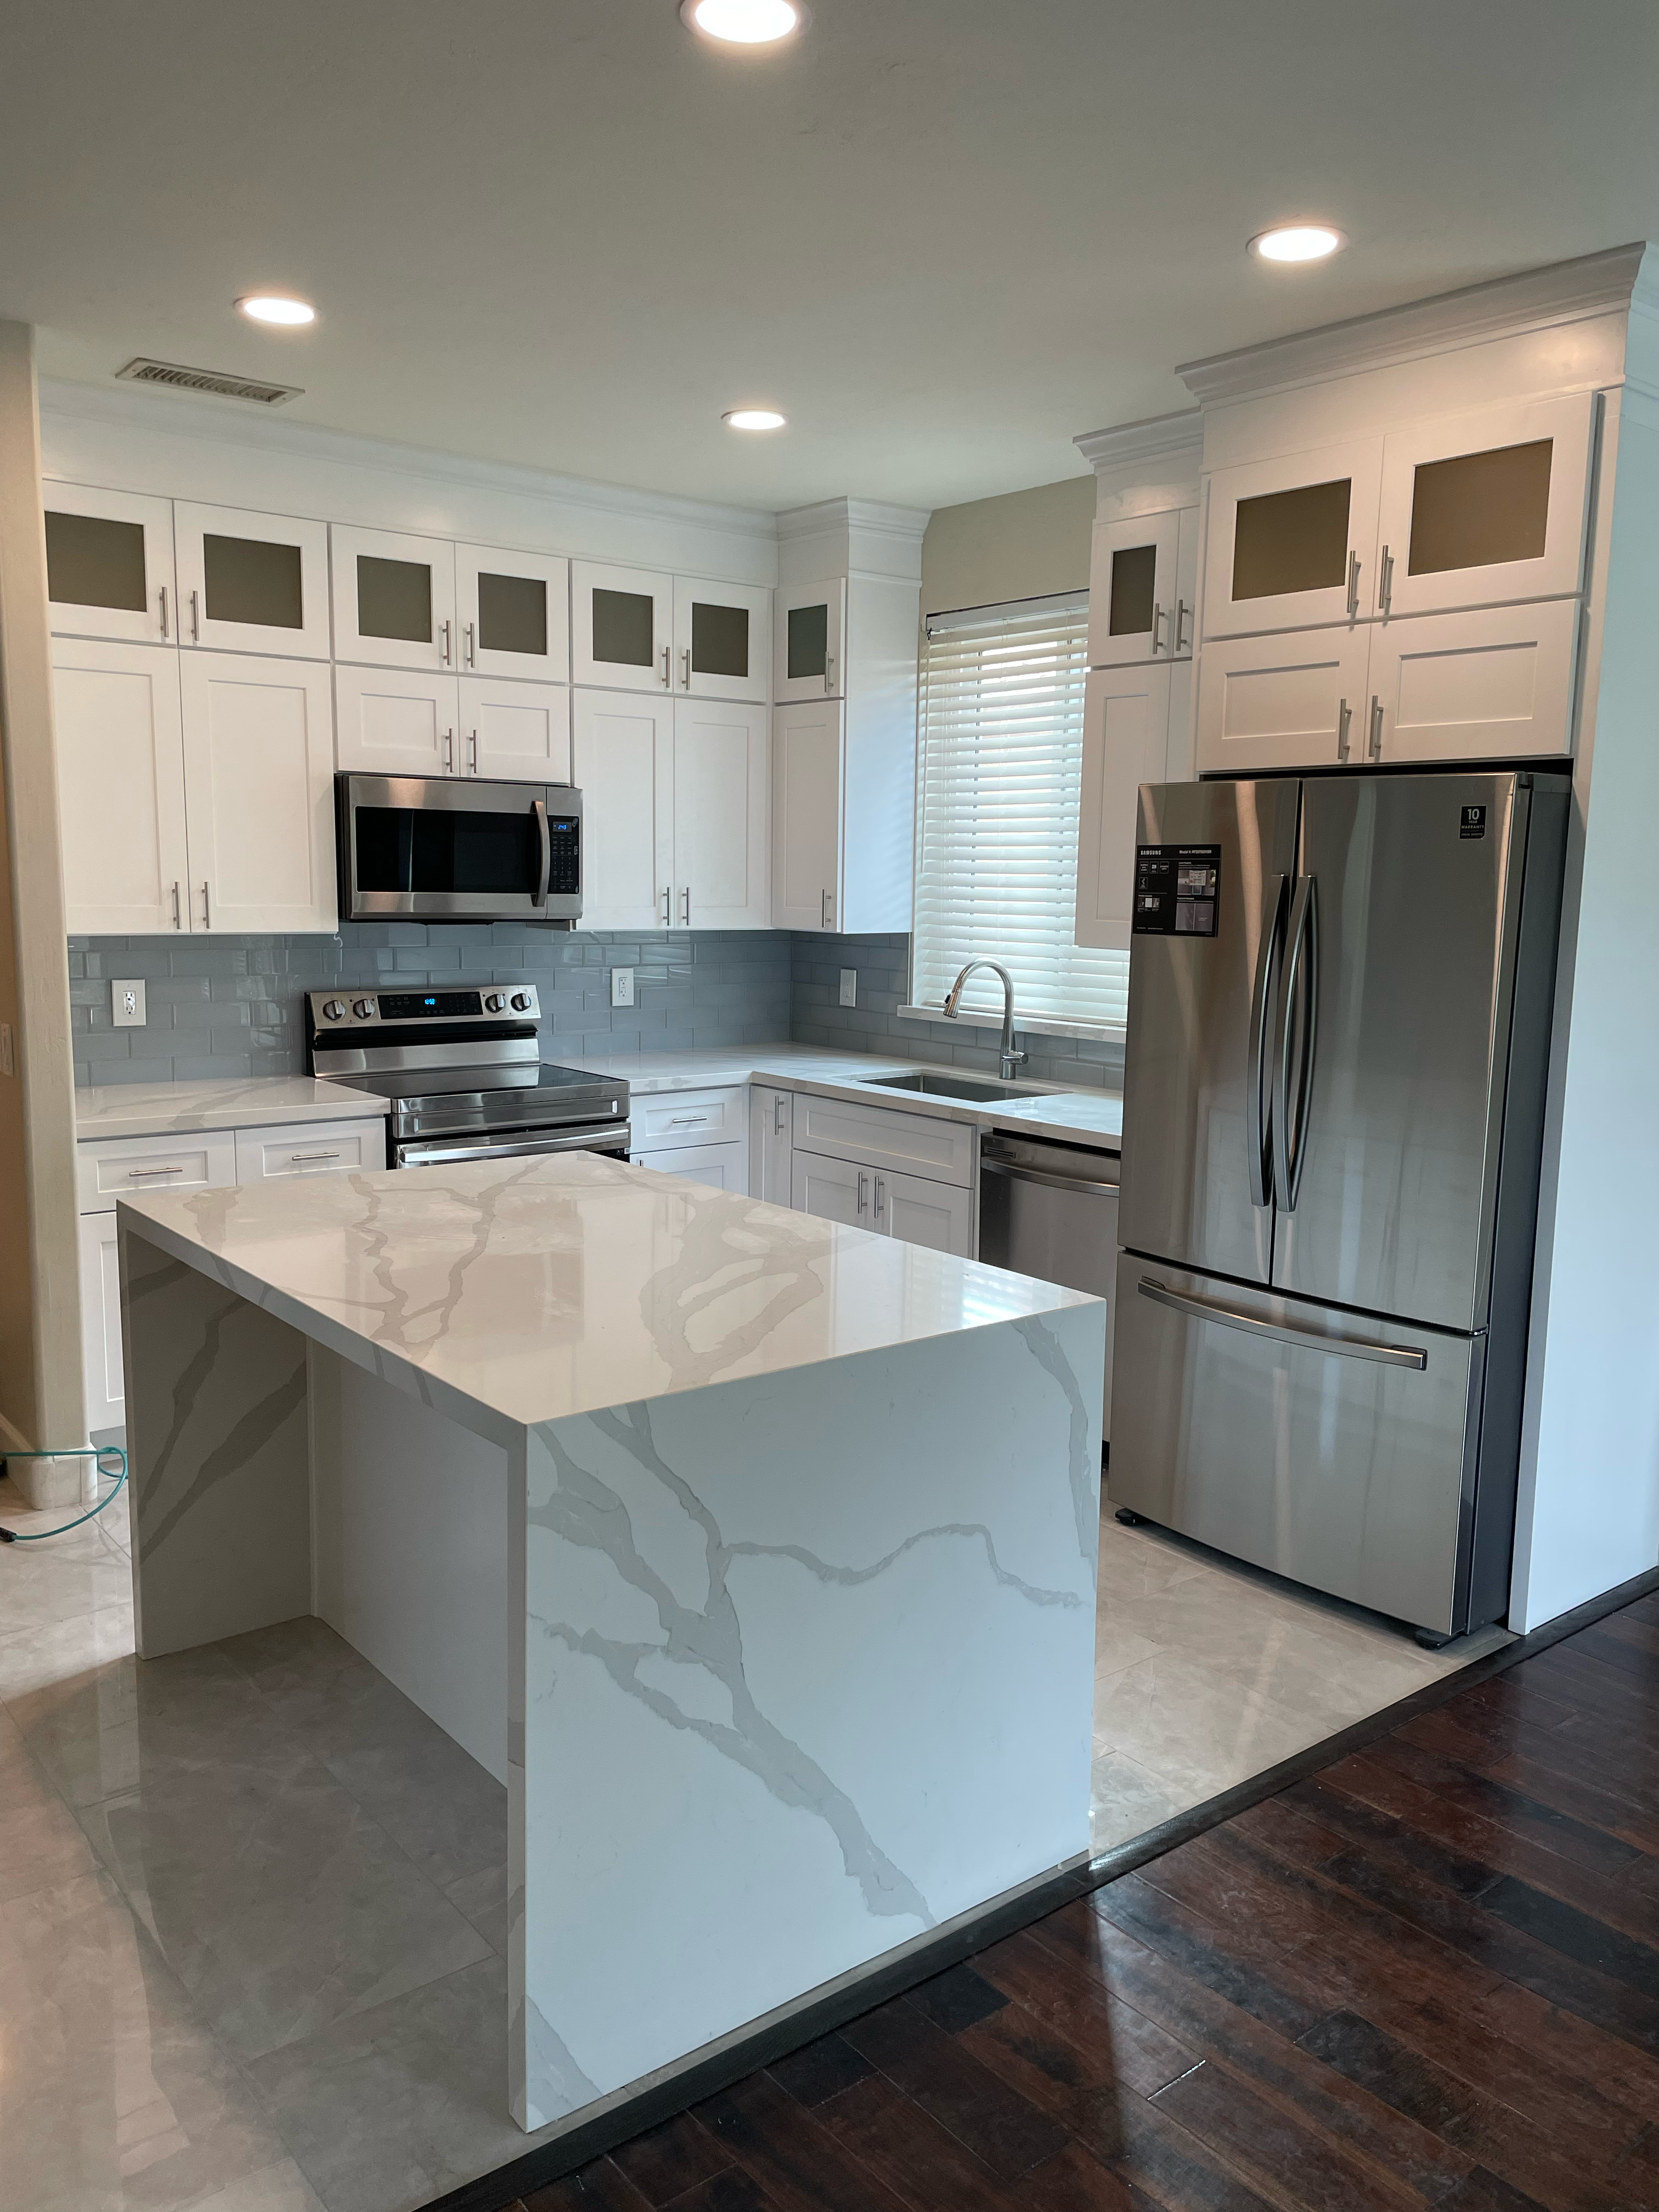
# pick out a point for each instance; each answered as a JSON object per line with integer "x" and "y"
{"x": 723, "y": 1167}
{"x": 835, "y": 1190}
{"x": 101, "y": 1359}
{"x": 937, "y": 1214}
{"x": 308, "y": 1148}
{"x": 886, "y": 1137}
{"x": 688, "y": 1117}
{"x": 769, "y": 1145}
{"x": 859, "y": 1164}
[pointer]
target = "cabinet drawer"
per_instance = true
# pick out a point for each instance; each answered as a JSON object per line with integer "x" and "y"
{"x": 886, "y": 1137}
{"x": 1483, "y": 686}
{"x": 688, "y": 1117}
{"x": 724, "y": 1167}
{"x": 309, "y": 1148}
{"x": 108, "y": 1168}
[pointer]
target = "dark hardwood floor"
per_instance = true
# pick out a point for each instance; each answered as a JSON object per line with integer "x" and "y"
{"x": 1429, "y": 1975}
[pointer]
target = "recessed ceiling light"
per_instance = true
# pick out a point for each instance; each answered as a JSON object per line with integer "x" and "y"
{"x": 274, "y": 308}
{"x": 752, "y": 418}
{"x": 1297, "y": 241}
{"x": 743, "y": 23}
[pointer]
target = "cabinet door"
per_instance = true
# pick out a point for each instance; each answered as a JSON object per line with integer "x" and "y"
{"x": 720, "y": 816}
{"x": 1133, "y": 614}
{"x": 101, "y": 1359}
{"x": 1125, "y": 724}
{"x": 1491, "y": 685}
{"x": 513, "y": 610}
{"x": 1485, "y": 508}
{"x": 518, "y": 731}
{"x": 1297, "y": 700}
{"x": 259, "y": 793}
{"x": 1292, "y": 541}
{"x": 806, "y": 829}
{"x": 768, "y": 1143}
{"x": 722, "y": 640}
{"x": 622, "y": 624}
{"x": 121, "y": 788}
{"x": 251, "y": 583}
{"x": 389, "y": 723}
{"x": 835, "y": 1190}
{"x": 809, "y": 643}
{"x": 1185, "y": 621}
{"x": 624, "y": 763}
{"x": 720, "y": 1166}
{"x": 109, "y": 564}
{"x": 394, "y": 599}
{"x": 939, "y": 1215}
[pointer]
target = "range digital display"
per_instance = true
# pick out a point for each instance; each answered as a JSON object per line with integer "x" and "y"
{"x": 415, "y": 1006}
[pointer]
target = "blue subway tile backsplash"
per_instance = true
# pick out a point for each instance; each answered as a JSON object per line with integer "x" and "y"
{"x": 232, "y": 1005}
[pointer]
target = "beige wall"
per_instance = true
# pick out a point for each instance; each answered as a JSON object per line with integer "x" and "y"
{"x": 1021, "y": 545}
{"x": 41, "y": 1401}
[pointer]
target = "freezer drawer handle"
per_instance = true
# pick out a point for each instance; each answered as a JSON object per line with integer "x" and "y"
{"x": 1049, "y": 1182}
{"x": 1310, "y": 1340}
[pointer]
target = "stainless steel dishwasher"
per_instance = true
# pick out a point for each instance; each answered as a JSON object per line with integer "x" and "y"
{"x": 1050, "y": 1210}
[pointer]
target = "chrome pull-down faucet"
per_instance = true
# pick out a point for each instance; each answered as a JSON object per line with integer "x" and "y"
{"x": 1008, "y": 1060}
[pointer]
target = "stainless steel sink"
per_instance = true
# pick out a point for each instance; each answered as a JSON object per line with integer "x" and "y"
{"x": 978, "y": 1090}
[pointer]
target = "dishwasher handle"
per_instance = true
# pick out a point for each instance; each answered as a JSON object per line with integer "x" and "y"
{"x": 1049, "y": 1182}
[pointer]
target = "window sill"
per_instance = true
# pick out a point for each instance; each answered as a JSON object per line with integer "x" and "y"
{"x": 1033, "y": 1026}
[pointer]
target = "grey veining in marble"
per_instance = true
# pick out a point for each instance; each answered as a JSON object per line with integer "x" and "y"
{"x": 145, "y": 1109}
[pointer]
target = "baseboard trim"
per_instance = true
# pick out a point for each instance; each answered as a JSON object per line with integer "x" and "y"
{"x": 930, "y": 1954}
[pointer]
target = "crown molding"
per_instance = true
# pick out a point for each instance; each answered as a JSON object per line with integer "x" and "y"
{"x": 1153, "y": 438}
{"x": 907, "y": 525}
{"x": 1533, "y": 300}
{"x": 213, "y": 423}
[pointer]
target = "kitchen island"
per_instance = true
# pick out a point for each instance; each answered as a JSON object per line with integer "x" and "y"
{"x": 754, "y": 1554}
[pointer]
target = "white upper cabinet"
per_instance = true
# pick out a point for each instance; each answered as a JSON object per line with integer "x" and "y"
{"x": 1126, "y": 743}
{"x": 519, "y": 733}
{"x": 806, "y": 825}
{"x": 809, "y": 645}
{"x": 513, "y": 614}
{"x": 394, "y": 599}
{"x": 722, "y": 646}
{"x": 721, "y": 777}
{"x": 1485, "y": 508}
{"x": 121, "y": 788}
{"x": 624, "y": 761}
{"x": 1495, "y": 685}
{"x": 109, "y": 564}
{"x": 1296, "y": 699}
{"x": 251, "y": 583}
{"x": 391, "y": 721}
{"x": 621, "y": 628}
{"x": 1291, "y": 540}
{"x": 1143, "y": 581}
{"x": 259, "y": 793}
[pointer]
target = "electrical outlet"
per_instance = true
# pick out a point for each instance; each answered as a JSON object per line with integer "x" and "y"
{"x": 127, "y": 1003}
{"x": 849, "y": 986}
{"x": 622, "y": 986}
{"x": 8, "y": 1057}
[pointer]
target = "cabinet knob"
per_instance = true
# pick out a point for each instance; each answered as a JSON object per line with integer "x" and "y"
{"x": 494, "y": 1001}
{"x": 333, "y": 1010}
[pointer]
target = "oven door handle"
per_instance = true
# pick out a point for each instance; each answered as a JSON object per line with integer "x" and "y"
{"x": 615, "y": 1136}
{"x": 538, "y": 807}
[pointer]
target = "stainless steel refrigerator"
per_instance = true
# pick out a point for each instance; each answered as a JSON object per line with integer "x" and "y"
{"x": 1340, "y": 994}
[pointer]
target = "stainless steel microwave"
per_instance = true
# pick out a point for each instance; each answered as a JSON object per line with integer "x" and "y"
{"x": 429, "y": 848}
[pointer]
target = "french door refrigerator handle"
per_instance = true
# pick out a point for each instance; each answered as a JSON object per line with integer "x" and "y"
{"x": 1301, "y": 974}
{"x": 1345, "y": 1347}
{"x": 1261, "y": 1161}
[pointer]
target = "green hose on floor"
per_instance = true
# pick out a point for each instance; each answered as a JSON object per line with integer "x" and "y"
{"x": 100, "y": 1452}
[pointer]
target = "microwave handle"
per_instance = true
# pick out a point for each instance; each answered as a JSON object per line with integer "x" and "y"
{"x": 539, "y": 897}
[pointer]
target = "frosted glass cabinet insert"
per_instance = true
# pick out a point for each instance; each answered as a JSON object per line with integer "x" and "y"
{"x": 1143, "y": 586}
{"x": 635, "y": 630}
{"x": 109, "y": 564}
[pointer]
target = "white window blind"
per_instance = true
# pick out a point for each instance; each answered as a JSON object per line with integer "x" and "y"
{"x": 1000, "y": 781}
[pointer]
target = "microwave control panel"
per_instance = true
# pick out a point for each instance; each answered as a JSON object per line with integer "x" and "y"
{"x": 564, "y": 836}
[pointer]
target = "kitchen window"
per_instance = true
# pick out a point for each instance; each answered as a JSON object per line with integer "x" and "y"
{"x": 999, "y": 776}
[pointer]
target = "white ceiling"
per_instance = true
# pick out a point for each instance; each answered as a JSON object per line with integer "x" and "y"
{"x": 944, "y": 236}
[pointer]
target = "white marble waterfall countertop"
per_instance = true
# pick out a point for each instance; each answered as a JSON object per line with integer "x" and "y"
{"x": 154, "y": 1109}
{"x": 1087, "y": 1117}
{"x": 523, "y": 1290}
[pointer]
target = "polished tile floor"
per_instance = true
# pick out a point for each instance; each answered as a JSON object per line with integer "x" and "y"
{"x": 253, "y": 1904}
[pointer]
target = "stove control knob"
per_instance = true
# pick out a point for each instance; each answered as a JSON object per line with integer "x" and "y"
{"x": 333, "y": 1009}
{"x": 520, "y": 1002}
{"x": 362, "y": 1008}
{"x": 494, "y": 1001}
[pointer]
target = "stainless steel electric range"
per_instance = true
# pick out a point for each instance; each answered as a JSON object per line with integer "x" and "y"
{"x": 464, "y": 1072}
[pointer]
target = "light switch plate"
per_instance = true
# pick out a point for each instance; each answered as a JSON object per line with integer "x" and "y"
{"x": 849, "y": 986}
{"x": 126, "y": 1003}
{"x": 622, "y": 986}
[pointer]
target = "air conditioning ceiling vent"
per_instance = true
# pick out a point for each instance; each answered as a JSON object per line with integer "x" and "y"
{"x": 172, "y": 376}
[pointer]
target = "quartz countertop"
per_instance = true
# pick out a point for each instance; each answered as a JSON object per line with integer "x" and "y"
{"x": 524, "y": 1291}
{"x": 152, "y": 1109}
{"x": 1086, "y": 1117}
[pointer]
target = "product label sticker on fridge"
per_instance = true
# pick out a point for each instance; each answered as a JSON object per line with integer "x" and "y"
{"x": 1474, "y": 823}
{"x": 1177, "y": 890}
